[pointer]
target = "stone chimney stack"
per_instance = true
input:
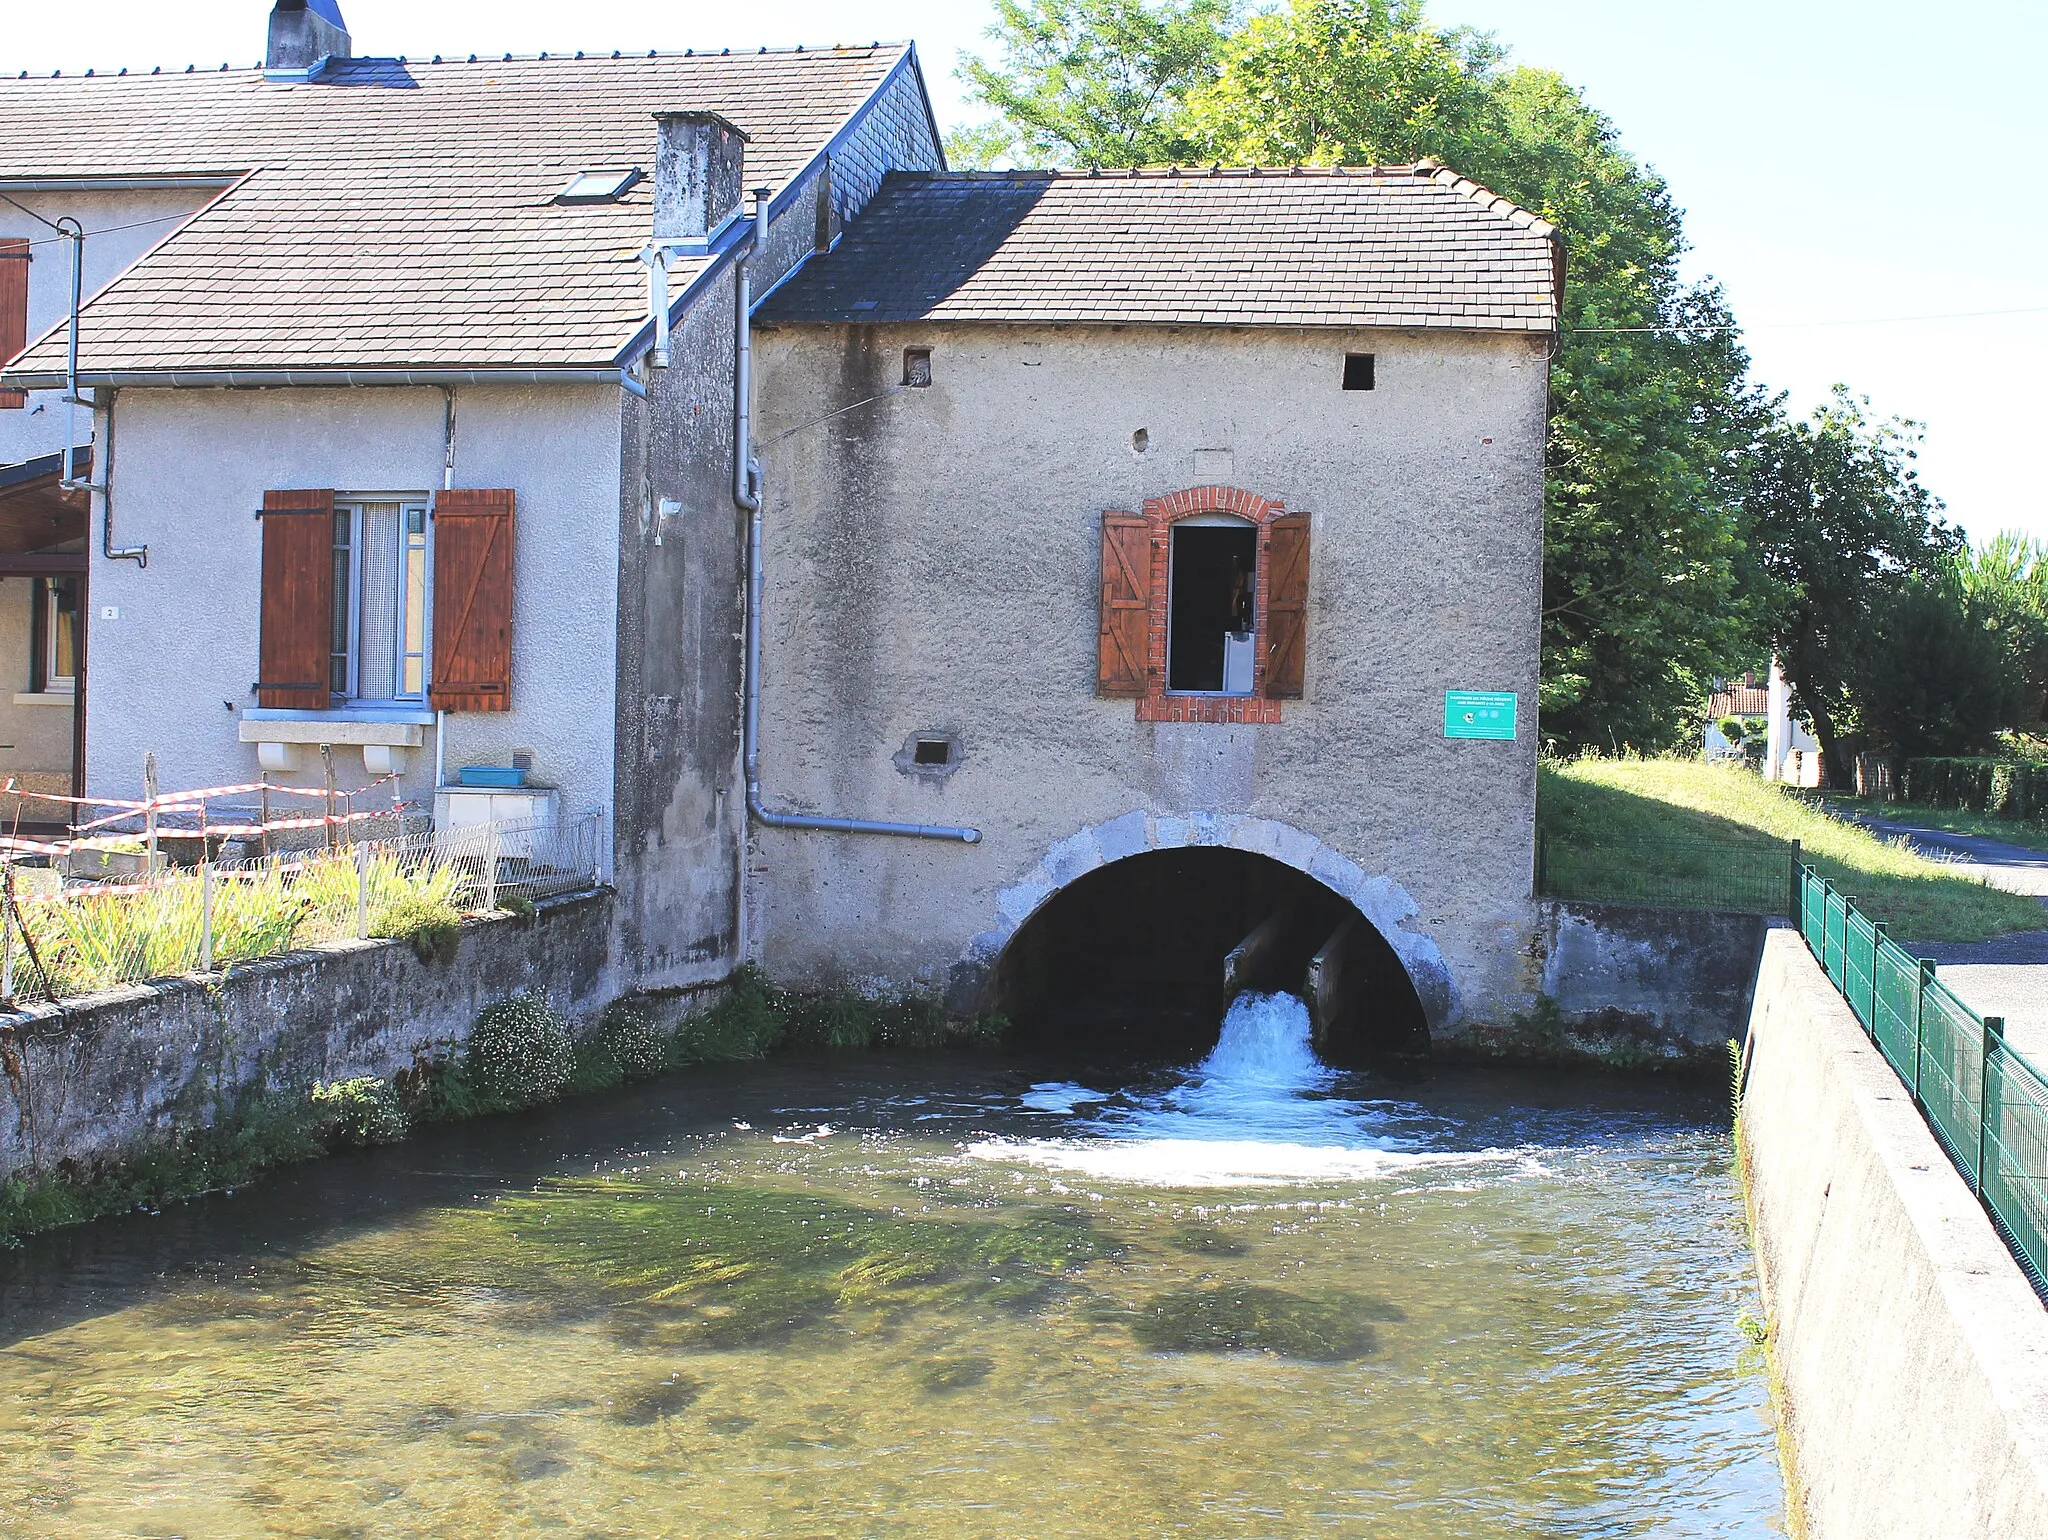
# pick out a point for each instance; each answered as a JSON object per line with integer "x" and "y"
{"x": 304, "y": 34}
{"x": 699, "y": 161}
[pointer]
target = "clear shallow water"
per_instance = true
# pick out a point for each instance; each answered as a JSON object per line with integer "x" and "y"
{"x": 939, "y": 1297}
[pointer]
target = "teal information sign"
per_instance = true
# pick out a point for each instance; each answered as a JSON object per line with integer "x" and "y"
{"x": 1479, "y": 714}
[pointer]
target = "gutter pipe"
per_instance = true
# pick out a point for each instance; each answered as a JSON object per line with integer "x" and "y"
{"x": 276, "y": 379}
{"x": 746, "y": 492}
{"x": 70, "y": 481}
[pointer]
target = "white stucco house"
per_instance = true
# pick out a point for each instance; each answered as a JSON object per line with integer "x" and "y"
{"x": 926, "y": 574}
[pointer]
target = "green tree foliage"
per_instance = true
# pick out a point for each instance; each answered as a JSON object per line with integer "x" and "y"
{"x": 1846, "y": 549}
{"x": 1090, "y": 82}
{"x": 1650, "y": 400}
{"x": 2005, "y": 581}
{"x": 1932, "y": 678}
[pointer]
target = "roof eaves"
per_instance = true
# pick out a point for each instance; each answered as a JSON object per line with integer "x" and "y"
{"x": 1486, "y": 198}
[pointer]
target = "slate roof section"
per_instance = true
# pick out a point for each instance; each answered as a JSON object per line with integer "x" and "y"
{"x": 401, "y": 215}
{"x": 1396, "y": 246}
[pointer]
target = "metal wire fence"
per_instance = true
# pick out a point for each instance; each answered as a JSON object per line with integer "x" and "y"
{"x": 1743, "y": 878}
{"x": 1986, "y": 1101}
{"x": 64, "y": 936}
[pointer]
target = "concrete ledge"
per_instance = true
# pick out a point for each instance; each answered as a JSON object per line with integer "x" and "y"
{"x": 1911, "y": 1350}
{"x": 403, "y": 735}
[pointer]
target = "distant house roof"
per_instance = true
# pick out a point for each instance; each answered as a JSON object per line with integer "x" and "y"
{"x": 1398, "y": 246}
{"x": 393, "y": 214}
{"x": 1739, "y": 701}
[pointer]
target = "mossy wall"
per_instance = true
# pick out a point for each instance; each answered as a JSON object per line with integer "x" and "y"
{"x": 88, "y": 1081}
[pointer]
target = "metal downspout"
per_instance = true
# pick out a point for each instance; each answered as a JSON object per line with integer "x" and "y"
{"x": 746, "y": 492}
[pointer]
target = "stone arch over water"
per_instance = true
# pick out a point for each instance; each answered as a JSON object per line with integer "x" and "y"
{"x": 1382, "y": 902}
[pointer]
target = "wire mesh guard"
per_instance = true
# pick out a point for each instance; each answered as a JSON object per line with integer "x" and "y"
{"x": 1667, "y": 874}
{"x": 1985, "y": 1101}
{"x": 66, "y": 937}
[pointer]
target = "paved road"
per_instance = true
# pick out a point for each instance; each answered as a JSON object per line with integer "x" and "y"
{"x": 2007, "y": 975}
{"x": 2012, "y": 867}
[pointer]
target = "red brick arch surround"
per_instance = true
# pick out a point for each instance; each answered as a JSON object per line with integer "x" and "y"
{"x": 1161, "y": 514}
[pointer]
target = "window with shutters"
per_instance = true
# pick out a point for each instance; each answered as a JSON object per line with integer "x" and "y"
{"x": 1204, "y": 606}
{"x": 405, "y": 600}
{"x": 377, "y": 646}
{"x": 14, "y": 258}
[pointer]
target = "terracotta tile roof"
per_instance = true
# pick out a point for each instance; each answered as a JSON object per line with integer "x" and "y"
{"x": 399, "y": 214}
{"x": 1409, "y": 246}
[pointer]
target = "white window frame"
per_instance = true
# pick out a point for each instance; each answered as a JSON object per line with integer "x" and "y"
{"x": 55, "y": 683}
{"x": 352, "y": 505}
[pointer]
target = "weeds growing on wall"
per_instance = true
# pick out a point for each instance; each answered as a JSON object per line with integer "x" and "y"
{"x": 520, "y": 1054}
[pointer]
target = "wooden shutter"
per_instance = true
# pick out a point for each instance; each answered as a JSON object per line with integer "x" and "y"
{"x": 1286, "y": 606}
{"x": 13, "y": 312}
{"x": 296, "y": 646}
{"x": 1124, "y": 646}
{"x": 472, "y": 662}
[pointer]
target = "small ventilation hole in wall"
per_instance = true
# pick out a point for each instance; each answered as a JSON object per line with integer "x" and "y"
{"x": 1358, "y": 371}
{"x": 1140, "y": 442}
{"x": 917, "y": 367}
{"x": 933, "y": 751}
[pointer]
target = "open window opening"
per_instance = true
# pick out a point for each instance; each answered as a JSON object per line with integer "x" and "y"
{"x": 379, "y": 645}
{"x": 1212, "y": 585}
{"x": 1147, "y": 953}
{"x": 1358, "y": 371}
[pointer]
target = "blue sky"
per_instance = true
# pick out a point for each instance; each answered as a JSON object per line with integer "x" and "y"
{"x": 1839, "y": 162}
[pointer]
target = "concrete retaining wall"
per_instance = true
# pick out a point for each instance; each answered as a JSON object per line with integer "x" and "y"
{"x": 1912, "y": 1352}
{"x": 108, "y": 1073}
{"x": 1666, "y": 983}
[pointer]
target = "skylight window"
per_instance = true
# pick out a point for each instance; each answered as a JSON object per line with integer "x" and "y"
{"x": 606, "y": 186}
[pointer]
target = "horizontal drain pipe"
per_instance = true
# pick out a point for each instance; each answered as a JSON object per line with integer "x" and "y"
{"x": 746, "y": 492}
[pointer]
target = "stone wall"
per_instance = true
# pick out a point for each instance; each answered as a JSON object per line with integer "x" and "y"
{"x": 103, "y": 1075}
{"x": 1912, "y": 1353}
{"x": 1649, "y": 985}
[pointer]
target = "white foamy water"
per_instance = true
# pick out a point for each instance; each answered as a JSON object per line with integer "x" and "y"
{"x": 1061, "y": 1096}
{"x": 1255, "y": 1112}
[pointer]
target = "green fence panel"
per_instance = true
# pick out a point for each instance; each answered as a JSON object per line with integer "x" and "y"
{"x": 1837, "y": 922}
{"x": 1894, "y": 1019}
{"x": 2015, "y": 1178}
{"x": 1859, "y": 952}
{"x": 1986, "y": 1103}
{"x": 1813, "y": 909}
{"x": 1952, "y": 1072}
{"x": 1668, "y": 874}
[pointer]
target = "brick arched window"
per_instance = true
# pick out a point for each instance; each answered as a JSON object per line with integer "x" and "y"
{"x": 1136, "y": 654}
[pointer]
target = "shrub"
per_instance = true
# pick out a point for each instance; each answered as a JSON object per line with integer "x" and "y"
{"x": 1732, "y": 728}
{"x": 987, "y": 1031}
{"x": 359, "y": 1112}
{"x": 433, "y": 927}
{"x": 518, "y": 1054}
{"x": 625, "y": 1044}
{"x": 743, "y": 1025}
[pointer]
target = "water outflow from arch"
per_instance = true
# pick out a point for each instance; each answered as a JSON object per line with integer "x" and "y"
{"x": 1260, "y": 1108}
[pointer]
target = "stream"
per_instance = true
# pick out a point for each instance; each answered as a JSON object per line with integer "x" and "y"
{"x": 937, "y": 1295}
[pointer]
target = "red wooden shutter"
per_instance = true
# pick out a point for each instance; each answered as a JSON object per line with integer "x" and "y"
{"x": 1286, "y": 606}
{"x": 13, "y": 312}
{"x": 1124, "y": 645}
{"x": 472, "y": 663}
{"x": 295, "y": 649}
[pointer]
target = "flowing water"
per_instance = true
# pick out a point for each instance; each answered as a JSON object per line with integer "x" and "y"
{"x": 942, "y": 1297}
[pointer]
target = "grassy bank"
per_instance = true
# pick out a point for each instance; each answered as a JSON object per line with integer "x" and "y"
{"x": 1685, "y": 832}
{"x": 520, "y": 1055}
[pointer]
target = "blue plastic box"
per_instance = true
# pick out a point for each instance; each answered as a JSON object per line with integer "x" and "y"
{"x": 491, "y": 775}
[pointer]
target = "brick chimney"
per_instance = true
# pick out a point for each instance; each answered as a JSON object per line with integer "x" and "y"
{"x": 304, "y": 34}
{"x": 699, "y": 161}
